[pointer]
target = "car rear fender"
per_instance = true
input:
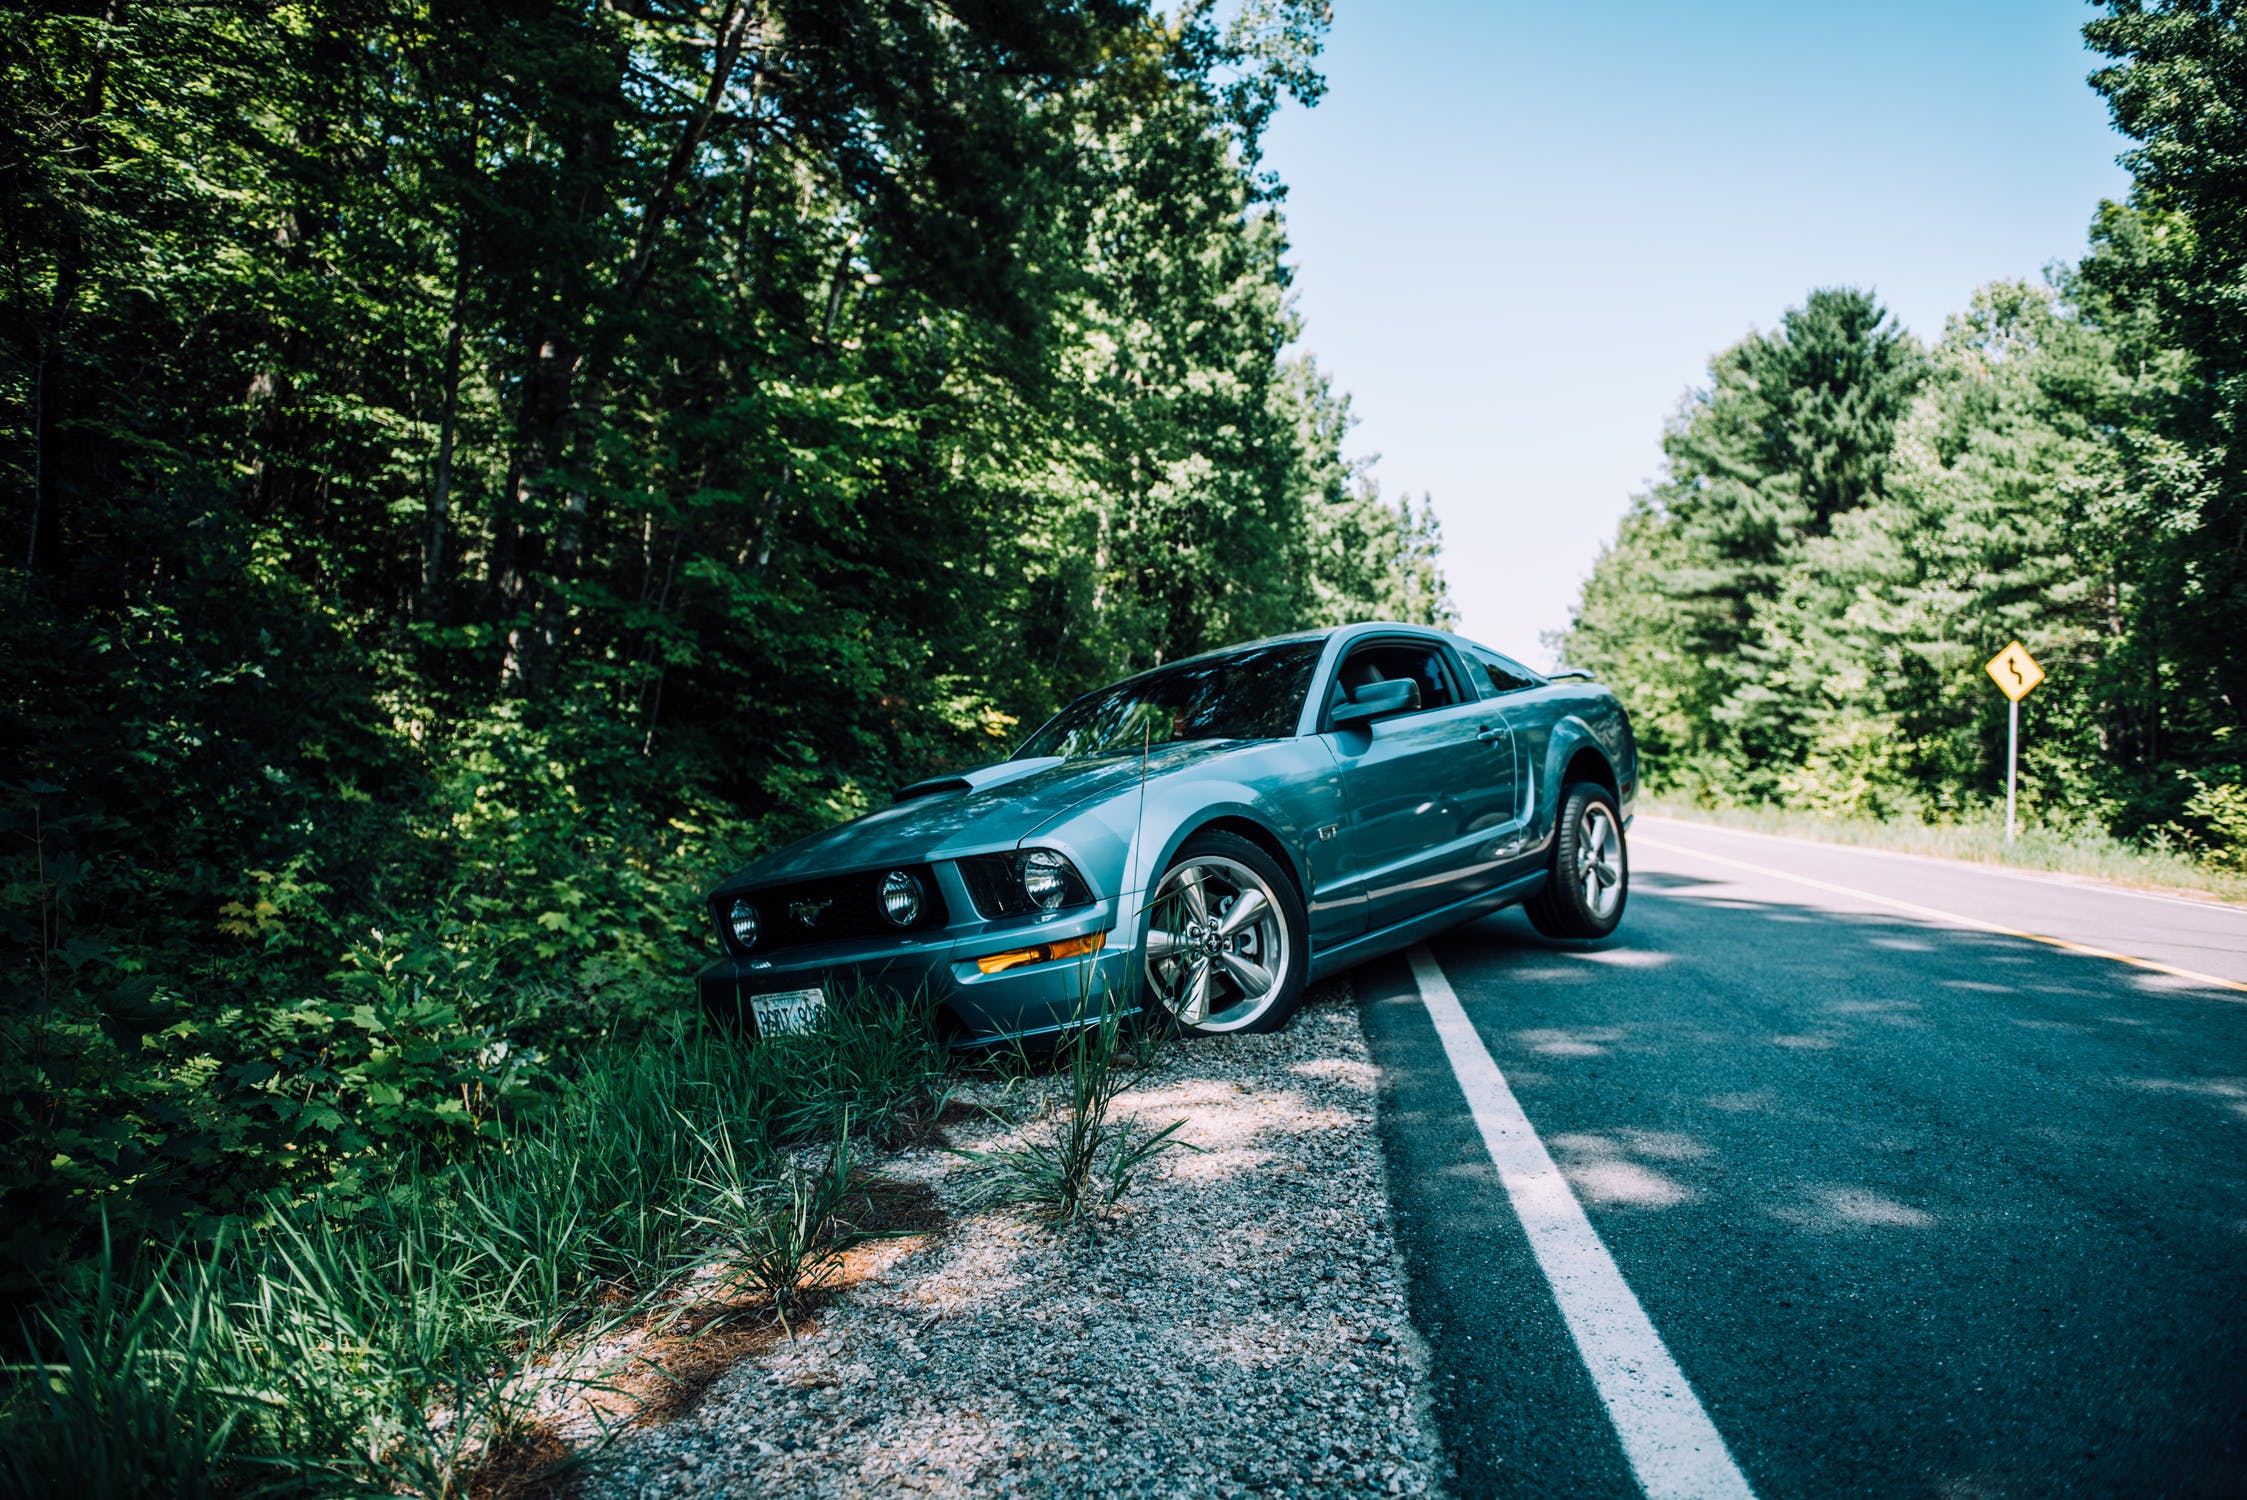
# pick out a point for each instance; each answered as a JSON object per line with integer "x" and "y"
{"x": 1587, "y": 746}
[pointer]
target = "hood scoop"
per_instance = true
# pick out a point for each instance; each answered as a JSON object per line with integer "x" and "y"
{"x": 931, "y": 787}
{"x": 976, "y": 780}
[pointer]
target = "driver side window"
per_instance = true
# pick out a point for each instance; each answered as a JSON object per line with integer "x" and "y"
{"x": 1391, "y": 661}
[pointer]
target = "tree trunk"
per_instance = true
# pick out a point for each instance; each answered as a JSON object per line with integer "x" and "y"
{"x": 38, "y": 455}
{"x": 583, "y": 420}
{"x": 72, "y": 255}
{"x": 441, "y": 475}
{"x": 768, "y": 522}
{"x": 651, "y": 705}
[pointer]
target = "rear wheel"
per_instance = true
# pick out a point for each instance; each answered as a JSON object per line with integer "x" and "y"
{"x": 1226, "y": 947}
{"x": 1591, "y": 874}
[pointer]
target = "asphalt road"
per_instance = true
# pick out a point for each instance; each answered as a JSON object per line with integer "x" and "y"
{"x": 1916, "y": 1207}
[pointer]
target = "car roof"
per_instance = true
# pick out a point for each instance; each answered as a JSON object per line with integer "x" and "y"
{"x": 1334, "y": 635}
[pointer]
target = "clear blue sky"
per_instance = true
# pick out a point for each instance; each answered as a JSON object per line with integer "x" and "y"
{"x": 1521, "y": 230}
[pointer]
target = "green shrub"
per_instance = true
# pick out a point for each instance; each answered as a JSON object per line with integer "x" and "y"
{"x": 2217, "y": 814}
{"x": 176, "y": 1047}
{"x": 401, "y": 1336}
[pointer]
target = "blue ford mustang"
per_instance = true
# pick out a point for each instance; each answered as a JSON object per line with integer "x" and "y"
{"x": 1206, "y": 838}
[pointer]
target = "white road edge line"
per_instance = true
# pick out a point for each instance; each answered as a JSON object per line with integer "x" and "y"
{"x": 2091, "y": 883}
{"x": 1673, "y": 1447}
{"x": 1955, "y": 919}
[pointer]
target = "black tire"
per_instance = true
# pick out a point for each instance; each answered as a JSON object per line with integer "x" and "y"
{"x": 1586, "y": 892}
{"x": 1225, "y": 870}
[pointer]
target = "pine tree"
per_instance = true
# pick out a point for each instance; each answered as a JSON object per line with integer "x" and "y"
{"x": 1791, "y": 434}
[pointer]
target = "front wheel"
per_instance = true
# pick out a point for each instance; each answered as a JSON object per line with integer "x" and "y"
{"x": 1226, "y": 939}
{"x": 1591, "y": 873}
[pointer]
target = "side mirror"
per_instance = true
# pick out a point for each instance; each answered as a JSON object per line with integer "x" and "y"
{"x": 1377, "y": 700}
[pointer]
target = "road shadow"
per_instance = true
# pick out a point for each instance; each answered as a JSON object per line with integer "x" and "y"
{"x": 1897, "y": 1194}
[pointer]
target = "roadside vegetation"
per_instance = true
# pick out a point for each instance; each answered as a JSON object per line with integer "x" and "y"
{"x": 475, "y": 478}
{"x": 1851, "y": 523}
{"x": 2086, "y": 851}
{"x": 1075, "y": 1162}
{"x": 411, "y": 1337}
{"x": 419, "y": 1334}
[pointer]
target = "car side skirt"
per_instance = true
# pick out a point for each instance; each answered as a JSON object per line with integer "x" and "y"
{"x": 1404, "y": 934}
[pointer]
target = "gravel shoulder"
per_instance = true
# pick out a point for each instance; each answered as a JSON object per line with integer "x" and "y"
{"x": 1238, "y": 1326}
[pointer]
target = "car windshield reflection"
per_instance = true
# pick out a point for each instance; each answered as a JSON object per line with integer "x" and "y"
{"x": 1243, "y": 695}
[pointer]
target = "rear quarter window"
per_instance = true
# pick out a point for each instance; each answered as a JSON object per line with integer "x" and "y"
{"x": 1503, "y": 676}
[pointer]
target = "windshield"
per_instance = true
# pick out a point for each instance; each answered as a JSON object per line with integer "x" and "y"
{"x": 1255, "y": 694}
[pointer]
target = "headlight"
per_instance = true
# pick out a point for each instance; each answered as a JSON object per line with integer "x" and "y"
{"x": 901, "y": 897}
{"x": 1022, "y": 883}
{"x": 742, "y": 920}
{"x": 1046, "y": 878}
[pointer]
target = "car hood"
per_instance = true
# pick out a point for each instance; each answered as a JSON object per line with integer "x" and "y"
{"x": 987, "y": 807}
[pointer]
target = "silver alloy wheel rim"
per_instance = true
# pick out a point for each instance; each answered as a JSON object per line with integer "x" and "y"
{"x": 1599, "y": 861}
{"x": 1217, "y": 944}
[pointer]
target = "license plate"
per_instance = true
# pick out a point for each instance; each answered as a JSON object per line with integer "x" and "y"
{"x": 788, "y": 1012}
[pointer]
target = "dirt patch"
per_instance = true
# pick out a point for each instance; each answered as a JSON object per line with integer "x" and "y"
{"x": 889, "y": 1206}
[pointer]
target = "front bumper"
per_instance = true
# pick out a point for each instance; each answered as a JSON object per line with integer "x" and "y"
{"x": 974, "y": 1008}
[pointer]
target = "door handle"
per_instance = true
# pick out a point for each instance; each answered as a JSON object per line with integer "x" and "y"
{"x": 1491, "y": 736}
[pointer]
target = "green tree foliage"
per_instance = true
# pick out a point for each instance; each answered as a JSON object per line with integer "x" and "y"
{"x": 1847, "y": 530}
{"x": 2171, "y": 268}
{"x": 1880, "y": 629}
{"x": 475, "y": 468}
{"x": 1789, "y": 438}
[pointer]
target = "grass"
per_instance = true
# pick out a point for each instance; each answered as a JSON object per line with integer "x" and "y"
{"x": 775, "y": 1238}
{"x": 1078, "y": 1164}
{"x": 117, "y": 1409}
{"x": 406, "y": 1342}
{"x": 1981, "y": 839}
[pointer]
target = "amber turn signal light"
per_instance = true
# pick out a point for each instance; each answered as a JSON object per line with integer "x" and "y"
{"x": 1066, "y": 948}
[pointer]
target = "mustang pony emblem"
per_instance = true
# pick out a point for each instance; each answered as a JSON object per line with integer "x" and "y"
{"x": 807, "y": 912}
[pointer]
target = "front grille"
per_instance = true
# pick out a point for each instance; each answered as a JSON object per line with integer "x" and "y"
{"x": 839, "y": 907}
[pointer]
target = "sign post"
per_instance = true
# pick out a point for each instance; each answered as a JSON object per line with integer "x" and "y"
{"x": 2015, "y": 672}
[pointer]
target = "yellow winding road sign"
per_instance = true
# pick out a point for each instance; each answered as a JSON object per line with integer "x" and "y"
{"x": 2014, "y": 671}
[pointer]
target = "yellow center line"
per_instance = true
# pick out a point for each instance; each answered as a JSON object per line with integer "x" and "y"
{"x": 1948, "y": 916}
